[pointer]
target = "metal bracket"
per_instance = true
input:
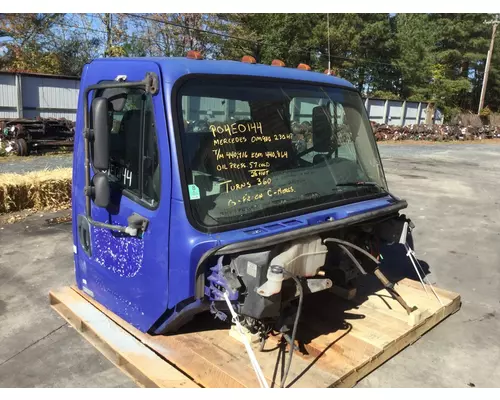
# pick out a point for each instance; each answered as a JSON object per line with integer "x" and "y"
{"x": 152, "y": 83}
{"x": 316, "y": 285}
{"x": 217, "y": 314}
{"x": 88, "y": 133}
{"x": 137, "y": 225}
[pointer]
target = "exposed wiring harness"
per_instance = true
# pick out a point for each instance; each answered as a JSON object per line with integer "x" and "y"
{"x": 295, "y": 325}
{"x": 251, "y": 354}
{"x": 299, "y": 309}
{"x": 353, "y": 259}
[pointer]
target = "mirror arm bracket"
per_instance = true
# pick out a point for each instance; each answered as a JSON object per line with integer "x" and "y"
{"x": 88, "y": 133}
{"x": 131, "y": 231}
{"x": 152, "y": 83}
{"x": 136, "y": 227}
{"x": 88, "y": 191}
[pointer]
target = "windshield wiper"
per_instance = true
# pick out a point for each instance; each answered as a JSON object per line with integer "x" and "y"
{"x": 361, "y": 184}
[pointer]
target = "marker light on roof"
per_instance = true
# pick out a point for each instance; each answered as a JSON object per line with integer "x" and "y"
{"x": 305, "y": 67}
{"x": 194, "y": 55}
{"x": 278, "y": 63}
{"x": 248, "y": 59}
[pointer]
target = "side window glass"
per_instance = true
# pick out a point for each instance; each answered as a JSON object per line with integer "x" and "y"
{"x": 124, "y": 144}
{"x": 151, "y": 165}
{"x": 133, "y": 145}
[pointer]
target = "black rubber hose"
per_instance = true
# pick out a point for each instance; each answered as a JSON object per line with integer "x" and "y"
{"x": 353, "y": 259}
{"x": 388, "y": 285}
{"x": 349, "y": 244}
{"x": 295, "y": 324}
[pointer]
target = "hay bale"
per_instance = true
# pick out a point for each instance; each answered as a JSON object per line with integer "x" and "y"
{"x": 40, "y": 190}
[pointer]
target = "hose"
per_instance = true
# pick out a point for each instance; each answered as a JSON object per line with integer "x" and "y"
{"x": 381, "y": 277}
{"x": 295, "y": 324}
{"x": 349, "y": 244}
{"x": 353, "y": 259}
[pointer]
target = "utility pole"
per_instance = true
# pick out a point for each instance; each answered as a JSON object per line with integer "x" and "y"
{"x": 488, "y": 62}
{"x": 108, "y": 22}
{"x": 328, "y": 32}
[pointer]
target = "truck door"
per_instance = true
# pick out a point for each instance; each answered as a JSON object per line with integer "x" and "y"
{"x": 127, "y": 274}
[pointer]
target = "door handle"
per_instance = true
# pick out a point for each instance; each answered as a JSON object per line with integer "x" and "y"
{"x": 84, "y": 234}
{"x": 137, "y": 224}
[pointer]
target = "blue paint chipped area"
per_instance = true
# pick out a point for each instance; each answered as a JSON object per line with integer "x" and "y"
{"x": 97, "y": 282}
{"x": 120, "y": 254}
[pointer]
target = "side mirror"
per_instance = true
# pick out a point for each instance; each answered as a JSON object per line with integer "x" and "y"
{"x": 100, "y": 190}
{"x": 101, "y": 133}
{"x": 324, "y": 140}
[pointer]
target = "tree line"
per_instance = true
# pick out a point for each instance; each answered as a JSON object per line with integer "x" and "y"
{"x": 421, "y": 57}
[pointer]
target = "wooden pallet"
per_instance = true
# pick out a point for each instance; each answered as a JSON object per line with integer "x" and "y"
{"x": 341, "y": 341}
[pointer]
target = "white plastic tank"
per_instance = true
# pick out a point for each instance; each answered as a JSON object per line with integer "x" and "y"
{"x": 303, "y": 257}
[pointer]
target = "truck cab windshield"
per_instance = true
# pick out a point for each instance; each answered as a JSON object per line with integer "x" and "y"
{"x": 258, "y": 149}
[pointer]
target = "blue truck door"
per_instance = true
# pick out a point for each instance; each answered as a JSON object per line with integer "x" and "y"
{"x": 128, "y": 275}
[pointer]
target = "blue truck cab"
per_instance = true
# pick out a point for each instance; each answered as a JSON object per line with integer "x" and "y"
{"x": 193, "y": 178}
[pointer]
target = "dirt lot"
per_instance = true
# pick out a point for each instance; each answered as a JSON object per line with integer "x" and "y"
{"x": 454, "y": 201}
{"x": 432, "y": 143}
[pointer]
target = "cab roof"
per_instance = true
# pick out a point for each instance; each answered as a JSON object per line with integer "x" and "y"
{"x": 173, "y": 68}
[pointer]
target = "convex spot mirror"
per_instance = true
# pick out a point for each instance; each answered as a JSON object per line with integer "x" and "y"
{"x": 100, "y": 189}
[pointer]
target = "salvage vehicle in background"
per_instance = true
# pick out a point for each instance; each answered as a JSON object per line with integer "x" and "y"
{"x": 22, "y": 136}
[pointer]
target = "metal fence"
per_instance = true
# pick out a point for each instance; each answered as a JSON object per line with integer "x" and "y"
{"x": 397, "y": 112}
{"x": 36, "y": 95}
{"x": 381, "y": 111}
{"x": 48, "y": 96}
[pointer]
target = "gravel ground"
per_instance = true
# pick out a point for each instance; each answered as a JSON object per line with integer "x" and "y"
{"x": 427, "y": 150}
{"x": 22, "y": 165}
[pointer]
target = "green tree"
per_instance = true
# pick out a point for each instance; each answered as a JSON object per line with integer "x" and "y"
{"x": 30, "y": 42}
{"x": 44, "y": 43}
{"x": 361, "y": 45}
{"x": 441, "y": 58}
{"x": 288, "y": 37}
{"x": 461, "y": 47}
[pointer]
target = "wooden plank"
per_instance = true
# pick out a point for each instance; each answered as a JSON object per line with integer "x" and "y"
{"x": 217, "y": 360}
{"x": 344, "y": 340}
{"x": 181, "y": 351}
{"x": 413, "y": 335}
{"x": 271, "y": 364}
{"x": 419, "y": 291}
{"x": 136, "y": 360}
